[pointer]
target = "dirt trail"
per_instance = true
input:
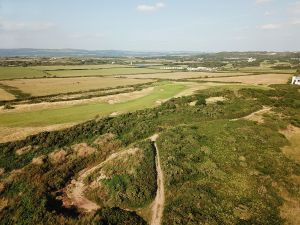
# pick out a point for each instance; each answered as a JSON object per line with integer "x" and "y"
{"x": 158, "y": 204}
{"x": 256, "y": 116}
{"x": 75, "y": 190}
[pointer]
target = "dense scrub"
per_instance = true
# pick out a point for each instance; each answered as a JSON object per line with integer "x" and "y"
{"x": 216, "y": 170}
{"x": 130, "y": 180}
{"x": 224, "y": 172}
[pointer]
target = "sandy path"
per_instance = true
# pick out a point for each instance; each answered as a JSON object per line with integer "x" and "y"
{"x": 158, "y": 204}
{"x": 75, "y": 190}
{"x": 256, "y": 116}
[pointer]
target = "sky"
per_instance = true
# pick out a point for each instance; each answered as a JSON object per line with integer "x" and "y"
{"x": 151, "y": 25}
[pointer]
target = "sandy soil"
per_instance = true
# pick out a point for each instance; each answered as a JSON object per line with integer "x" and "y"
{"x": 75, "y": 190}
{"x": 193, "y": 87}
{"x": 158, "y": 204}
{"x": 258, "y": 115}
{"x": 212, "y": 100}
{"x": 4, "y": 95}
{"x": 18, "y": 133}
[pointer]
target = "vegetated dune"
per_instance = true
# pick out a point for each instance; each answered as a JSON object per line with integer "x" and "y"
{"x": 291, "y": 207}
{"x": 255, "y": 79}
{"x": 48, "y": 86}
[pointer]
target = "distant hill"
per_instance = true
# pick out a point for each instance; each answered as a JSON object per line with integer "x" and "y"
{"x": 80, "y": 53}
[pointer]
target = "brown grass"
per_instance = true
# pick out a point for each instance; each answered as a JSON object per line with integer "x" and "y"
{"x": 291, "y": 207}
{"x": 5, "y": 96}
{"x": 18, "y": 133}
{"x": 58, "y": 156}
{"x": 183, "y": 75}
{"x": 265, "y": 79}
{"x": 83, "y": 149}
{"x": 24, "y": 150}
{"x": 292, "y": 133}
{"x": 48, "y": 86}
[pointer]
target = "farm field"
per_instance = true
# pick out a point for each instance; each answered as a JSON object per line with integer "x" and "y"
{"x": 79, "y": 113}
{"x": 265, "y": 69}
{"x": 4, "y": 95}
{"x": 79, "y": 67}
{"x": 103, "y": 72}
{"x": 184, "y": 75}
{"x": 265, "y": 79}
{"x": 49, "y": 86}
{"x": 19, "y": 72}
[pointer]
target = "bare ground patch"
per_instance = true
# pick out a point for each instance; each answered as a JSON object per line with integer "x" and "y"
{"x": 18, "y": 133}
{"x": 74, "y": 192}
{"x": 83, "y": 149}
{"x": 258, "y": 115}
{"x": 212, "y": 100}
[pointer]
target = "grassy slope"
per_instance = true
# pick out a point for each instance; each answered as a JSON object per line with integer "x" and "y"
{"x": 222, "y": 172}
{"x": 89, "y": 111}
{"x": 219, "y": 172}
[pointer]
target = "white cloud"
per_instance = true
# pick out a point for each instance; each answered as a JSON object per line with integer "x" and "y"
{"x": 270, "y": 26}
{"x": 259, "y": 2}
{"x": 151, "y": 8}
{"x": 295, "y": 8}
{"x": 295, "y": 22}
{"x": 269, "y": 13}
{"x": 24, "y": 26}
{"x": 86, "y": 36}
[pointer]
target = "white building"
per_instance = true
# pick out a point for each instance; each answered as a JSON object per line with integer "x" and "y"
{"x": 251, "y": 60}
{"x": 296, "y": 80}
{"x": 172, "y": 68}
{"x": 201, "y": 69}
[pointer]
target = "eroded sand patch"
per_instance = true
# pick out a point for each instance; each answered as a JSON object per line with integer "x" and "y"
{"x": 8, "y": 134}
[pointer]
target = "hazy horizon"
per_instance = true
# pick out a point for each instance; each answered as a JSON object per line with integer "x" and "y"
{"x": 151, "y": 26}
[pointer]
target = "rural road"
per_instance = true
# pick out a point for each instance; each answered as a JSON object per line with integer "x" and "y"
{"x": 158, "y": 204}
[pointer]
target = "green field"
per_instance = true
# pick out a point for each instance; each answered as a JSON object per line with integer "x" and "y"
{"x": 79, "y": 67}
{"x": 71, "y": 71}
{"x": 102, "y": 72}
{"x": 19, "y": 72}
{"x": 80, "y": 113}
{"x": 265, "y": 69}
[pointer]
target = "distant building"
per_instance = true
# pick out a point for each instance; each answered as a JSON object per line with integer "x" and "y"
{"x": 201, "y": 69}
{"x": 171, "y": 68}
{"x": 296, "y": 80}
{"x": 251, "y": 60}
